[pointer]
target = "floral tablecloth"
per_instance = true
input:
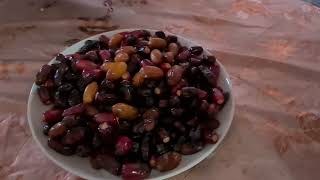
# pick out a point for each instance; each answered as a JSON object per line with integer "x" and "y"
{"x": 271, "y": 48}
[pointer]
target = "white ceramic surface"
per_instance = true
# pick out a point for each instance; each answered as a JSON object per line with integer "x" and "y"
{"x": 81, "y": 166}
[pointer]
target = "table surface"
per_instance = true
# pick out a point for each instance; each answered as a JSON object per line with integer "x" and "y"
{"x": 271, "y": 48}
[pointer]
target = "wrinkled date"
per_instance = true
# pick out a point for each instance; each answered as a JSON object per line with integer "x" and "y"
{"x": 168, "y": 161}
{"x": 132, "y": 102}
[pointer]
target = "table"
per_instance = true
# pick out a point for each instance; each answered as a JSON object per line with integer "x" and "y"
{"x": 271, "y": 48}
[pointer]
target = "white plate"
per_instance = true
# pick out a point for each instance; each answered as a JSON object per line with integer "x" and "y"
{"x": 81, "y": 166}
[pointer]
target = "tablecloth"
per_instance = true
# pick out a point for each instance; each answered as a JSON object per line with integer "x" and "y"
{"x": 271, "y": 48}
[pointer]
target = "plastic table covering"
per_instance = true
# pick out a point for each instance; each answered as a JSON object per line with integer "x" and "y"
{"x": 271, "y": 48}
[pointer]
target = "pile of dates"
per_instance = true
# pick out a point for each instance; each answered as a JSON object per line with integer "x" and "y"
{"x": 132, "y": 102}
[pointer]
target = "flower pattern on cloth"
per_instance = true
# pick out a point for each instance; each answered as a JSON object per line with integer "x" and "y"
{"x": 246, "y": 8}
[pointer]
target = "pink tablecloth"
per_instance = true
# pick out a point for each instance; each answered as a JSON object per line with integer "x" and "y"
{"x": 271, "y": 48}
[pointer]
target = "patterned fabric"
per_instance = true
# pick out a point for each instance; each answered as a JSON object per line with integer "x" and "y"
{"x": 271, "y": 48}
